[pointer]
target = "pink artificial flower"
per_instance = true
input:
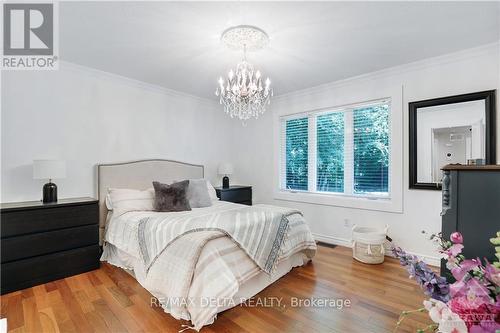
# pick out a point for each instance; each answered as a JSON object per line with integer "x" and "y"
{"x": 471, "y": 289}
{"x": 448, "y": 321}
{"x": 485, "y": 326}
{"x": 435, "y": 309}
{"x": 451, "y": 262}
{"x": 458, "y": 289}
{"x": 451, "y": 323}
{"x": 492, "y": 274}
{"x": 473, "y": 311}
{"x": 456, "y": 238}
{"x": 465, "y": 266}
{"x": 455, "y": 250}
{"x": 476, "y": 329}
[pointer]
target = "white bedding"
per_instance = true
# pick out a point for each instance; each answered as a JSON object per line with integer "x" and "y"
{"x": 220, "y": 272}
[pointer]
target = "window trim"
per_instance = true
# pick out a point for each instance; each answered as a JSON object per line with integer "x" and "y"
{"x": 394, "y": 203}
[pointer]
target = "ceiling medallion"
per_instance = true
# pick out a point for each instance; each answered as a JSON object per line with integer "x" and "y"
{"x": 243, "y": 94}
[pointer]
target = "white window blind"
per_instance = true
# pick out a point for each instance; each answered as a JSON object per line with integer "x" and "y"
{"x": 330, "y": 135}
{"x": 371, "y": 149}
{"x": 296, "y": 148}
{"x": 339, "y": 151}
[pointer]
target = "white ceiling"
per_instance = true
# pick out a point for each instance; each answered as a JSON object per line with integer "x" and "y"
{"x": 176, "y": 45}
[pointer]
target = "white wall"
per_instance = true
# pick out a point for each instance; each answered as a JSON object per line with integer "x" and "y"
{"x": 86, "y": 117}
{"x": 256, "y": 153}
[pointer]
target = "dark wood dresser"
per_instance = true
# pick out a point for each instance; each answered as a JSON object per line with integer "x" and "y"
{"x": 471, "y": 205}
{"x": 45, "y": 242}
{"x": 235, "y": 193}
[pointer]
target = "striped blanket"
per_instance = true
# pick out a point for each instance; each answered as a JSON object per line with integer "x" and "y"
{"x": 258, "y": 230}
{"x": 183, "y": 272}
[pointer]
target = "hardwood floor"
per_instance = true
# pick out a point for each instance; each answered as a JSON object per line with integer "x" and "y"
{"x": 110, "y": 300}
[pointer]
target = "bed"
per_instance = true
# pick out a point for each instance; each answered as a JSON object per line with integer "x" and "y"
{"x": 193, "y": 275}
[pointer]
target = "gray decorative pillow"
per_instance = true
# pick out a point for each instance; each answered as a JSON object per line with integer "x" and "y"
{"x": 171, "y": 198}
{"x": 197, "y": 194}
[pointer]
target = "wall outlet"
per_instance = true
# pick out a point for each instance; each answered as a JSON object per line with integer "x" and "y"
{"x": 347, "y": 223}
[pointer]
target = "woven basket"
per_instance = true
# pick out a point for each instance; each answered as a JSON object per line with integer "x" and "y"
{"x": 368, "y": 244}
{"x": 368, "y": 254}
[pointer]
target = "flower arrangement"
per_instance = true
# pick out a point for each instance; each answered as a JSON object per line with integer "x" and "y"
{"x": 470, "y": 304}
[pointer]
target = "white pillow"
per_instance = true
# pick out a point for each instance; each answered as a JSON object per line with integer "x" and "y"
{"x": 197, "y": 193}
{"x": 211, "y": 192}
{"x": 123, "y": 200}
{"x": 109, "y": 203}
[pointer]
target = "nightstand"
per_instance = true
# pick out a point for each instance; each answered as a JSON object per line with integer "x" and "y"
{"x": 236, "y": 193}
{"x": 45, "y": 242}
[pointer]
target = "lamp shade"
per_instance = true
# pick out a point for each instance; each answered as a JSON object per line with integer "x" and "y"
{"x": 225, "y": 169}
{"x": 49, "y": 169}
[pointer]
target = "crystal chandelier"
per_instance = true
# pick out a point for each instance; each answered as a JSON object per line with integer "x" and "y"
{"x": 244, "y": 94}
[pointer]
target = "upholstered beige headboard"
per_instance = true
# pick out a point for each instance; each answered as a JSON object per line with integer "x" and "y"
{"x": 139, "y": 175}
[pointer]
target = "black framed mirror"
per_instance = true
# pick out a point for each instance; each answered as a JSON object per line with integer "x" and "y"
{"x": 450, "y": 130}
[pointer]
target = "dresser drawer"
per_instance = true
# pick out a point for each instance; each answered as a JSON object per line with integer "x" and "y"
{"x": 20, "y": 247}
{"x": 40, "y": 220}
{"x": 239, "y": 195}
{"x": 30, "y": 272}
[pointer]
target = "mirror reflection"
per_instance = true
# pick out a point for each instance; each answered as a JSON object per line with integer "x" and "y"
{"x": 449, "y": 134}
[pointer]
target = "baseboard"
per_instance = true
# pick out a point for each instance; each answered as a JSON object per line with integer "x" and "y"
{"x": 430, "y": 260}
{"x": 326, "y": 244}
{"x": 332, "y": 240}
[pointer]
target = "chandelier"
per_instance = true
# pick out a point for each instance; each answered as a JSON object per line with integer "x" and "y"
{"x": 244, "y": 94}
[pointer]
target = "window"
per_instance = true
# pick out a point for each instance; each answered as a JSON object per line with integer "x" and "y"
{"x": 371, "y": 149}
{"x": 330, "y": 152}
{"x": 297, "y": 154}
{"x": 343, "y": 151}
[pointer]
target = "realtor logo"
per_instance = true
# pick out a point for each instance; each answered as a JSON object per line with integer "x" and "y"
{"x": 29, "y": 36}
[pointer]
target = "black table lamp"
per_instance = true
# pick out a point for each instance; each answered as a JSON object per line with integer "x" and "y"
{"x": 49, "y": 169}
{"x": 225, "y": 169}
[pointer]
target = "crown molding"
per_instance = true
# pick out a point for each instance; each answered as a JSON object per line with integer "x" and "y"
{"x": 386, "y": 72}
{"x": 397, "y": 70}
{"x": 135, "y": 83}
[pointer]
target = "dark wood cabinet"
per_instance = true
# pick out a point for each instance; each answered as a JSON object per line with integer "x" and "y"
{"x": 471, "y": 205}
{"x": 44, "y": 242}
{"x": 237, "y": 194}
